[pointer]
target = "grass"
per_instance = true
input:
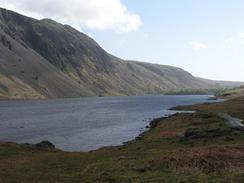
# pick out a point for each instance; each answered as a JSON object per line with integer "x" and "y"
{"x": 162, "y": 154}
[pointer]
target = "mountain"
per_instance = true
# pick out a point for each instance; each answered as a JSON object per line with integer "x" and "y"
{"x": 45, "y": 59}
{"x": 226, "y": 84}
{"x": 26, "y": 74}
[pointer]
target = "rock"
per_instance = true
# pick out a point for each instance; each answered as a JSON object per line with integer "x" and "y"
{"x": 191, "y": 132}
{"x": 213, "y": 98}
{"x": 45, "y": 144}
{"x": 121, "y": 158}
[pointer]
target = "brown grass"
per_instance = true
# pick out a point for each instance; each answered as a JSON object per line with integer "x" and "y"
{"x": 206, "y": 160}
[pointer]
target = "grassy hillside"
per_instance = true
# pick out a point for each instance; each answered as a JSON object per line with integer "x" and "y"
{"x": 73, "y": 64}
{"x": 25, "y": 74}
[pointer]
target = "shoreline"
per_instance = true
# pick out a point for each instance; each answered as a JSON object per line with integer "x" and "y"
{"x": 151, "y": 125}
{"x": 63, "y": 98}
{"x": 160, "y": 154}
{"x": 145, "y": 125}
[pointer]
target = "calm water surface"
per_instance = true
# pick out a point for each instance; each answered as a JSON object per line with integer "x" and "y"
{"x": 86, "y": 123}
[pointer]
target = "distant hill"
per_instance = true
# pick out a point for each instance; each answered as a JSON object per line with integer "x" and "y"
{"x": 233, "y": 93}
{"x": 45, "y": 59}
{"x": 227, "y": 84}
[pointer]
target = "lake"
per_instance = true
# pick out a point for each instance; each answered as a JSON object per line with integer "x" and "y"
{"x": 85, "y": 124}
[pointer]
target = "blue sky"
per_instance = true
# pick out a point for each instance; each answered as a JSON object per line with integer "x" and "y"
{"x": 204, "y": 37}
{"x": 169, "y": 26}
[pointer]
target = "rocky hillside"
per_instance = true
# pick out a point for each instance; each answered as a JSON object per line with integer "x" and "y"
{"x": 45, "y": 59}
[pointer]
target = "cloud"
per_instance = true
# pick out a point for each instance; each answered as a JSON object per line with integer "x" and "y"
{"x": 197, "y": 45}
{"x": 95, "y": 14}
{"x": 242, "y": 35}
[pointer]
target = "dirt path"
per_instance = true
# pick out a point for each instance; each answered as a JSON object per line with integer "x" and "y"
{"x": 233, "y": 122}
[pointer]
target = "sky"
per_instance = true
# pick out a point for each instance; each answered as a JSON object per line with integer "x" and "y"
{"x": 204, "y": 37}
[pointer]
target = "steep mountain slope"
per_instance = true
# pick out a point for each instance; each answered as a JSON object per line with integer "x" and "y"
{"x": 71, "y": 64}
{"x": 25, "y": 74}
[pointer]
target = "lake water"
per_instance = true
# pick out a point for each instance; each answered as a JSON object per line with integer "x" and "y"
{"x": 86, "y": 123}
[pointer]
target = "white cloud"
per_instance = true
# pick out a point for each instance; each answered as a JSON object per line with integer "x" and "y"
{"x": 96, "y": 14}
{"x": 197, "y": 45}
{"x": 242, "y": 35}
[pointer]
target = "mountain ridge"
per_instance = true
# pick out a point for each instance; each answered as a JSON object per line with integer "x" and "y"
{"x": 68, "y": 63}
